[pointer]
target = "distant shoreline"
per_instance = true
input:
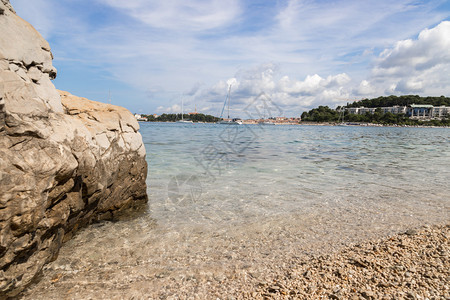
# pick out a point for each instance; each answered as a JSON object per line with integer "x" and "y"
{"x": 326, "y": 124}
{"x": 369, "y": 125}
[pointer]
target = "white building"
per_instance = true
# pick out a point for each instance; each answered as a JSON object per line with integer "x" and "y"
{"x": 423, "y": 111}
{"x": 139, "y": 117}
{"x": 440, "y": 111}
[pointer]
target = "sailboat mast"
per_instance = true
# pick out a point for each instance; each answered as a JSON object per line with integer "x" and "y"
{"x": 229, "y": 90}
{"x": 264, "y": 104}
{"x": 182, "y": 109}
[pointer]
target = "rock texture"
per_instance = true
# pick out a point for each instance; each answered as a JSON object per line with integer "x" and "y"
{"x": 64, "y": 161}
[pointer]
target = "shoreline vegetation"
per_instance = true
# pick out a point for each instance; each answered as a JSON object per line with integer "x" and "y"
{"x": 196, "y": 117}
{"x": 372, "y": 125}
{"x": 306, "y": 123}
{"x": 324, "y": 115}
{"x": 349, "y": 124}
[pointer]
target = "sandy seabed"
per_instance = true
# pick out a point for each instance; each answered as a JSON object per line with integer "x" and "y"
{"x": 270, "y": 263}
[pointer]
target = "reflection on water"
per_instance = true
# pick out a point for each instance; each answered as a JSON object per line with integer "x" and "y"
{"x": 226, "y": 199}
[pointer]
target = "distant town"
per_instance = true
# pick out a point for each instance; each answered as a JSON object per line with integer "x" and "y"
{"x": 201, "y": 118}
{"x": 398, "y": 110}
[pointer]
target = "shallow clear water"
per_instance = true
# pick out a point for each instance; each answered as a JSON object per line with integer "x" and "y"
{"x": 240, "y": 201}
{"x": 239, "y": 174}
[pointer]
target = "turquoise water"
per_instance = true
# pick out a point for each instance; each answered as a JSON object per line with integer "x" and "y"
{"x": 238, "y": 174}
{"x": 229, "y": 202}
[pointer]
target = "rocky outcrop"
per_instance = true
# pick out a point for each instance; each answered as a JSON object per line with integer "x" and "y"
{"x": 64, "y": 161}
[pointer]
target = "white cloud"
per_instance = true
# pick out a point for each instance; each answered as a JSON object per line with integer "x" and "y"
{"x": 180, "y": 15}
{"x": 365, "y": 88}
{"x": 337, "y": 80}
{"x": 305, "y": 52}
{"x": 417, "y": 65}
{"x": 431, "y": 48}
{"x": 334, "y": 23}
{"x": 412, "y": 66}
{"x": 232, "y": 81}
{"x": 309, "y": 86}
{"x": 312, "y": 85}
{"x": 289, "y": 94}
{"x": 410, "y": 86}
{"x": 174, "y": 109}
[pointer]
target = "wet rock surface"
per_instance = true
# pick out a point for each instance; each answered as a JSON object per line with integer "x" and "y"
{"x": 63, "y": 164}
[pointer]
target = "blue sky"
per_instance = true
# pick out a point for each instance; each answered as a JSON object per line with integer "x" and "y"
{"x": 300, "y": 53}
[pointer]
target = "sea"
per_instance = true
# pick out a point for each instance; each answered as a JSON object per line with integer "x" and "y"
{"x": 224, "y": 198}
{"x": 231, "y": 175}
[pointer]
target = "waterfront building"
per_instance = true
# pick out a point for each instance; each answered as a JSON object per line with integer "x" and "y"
{"x": 423, "y": 111}
{"x": 361, "y": 110}
{"x": 395, "y": 109}
{"x": 440, "y": 111}
{"x": 416, "y": 111}
{"x": 140, "y": 117}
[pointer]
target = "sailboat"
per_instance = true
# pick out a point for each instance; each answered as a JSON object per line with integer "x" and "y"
{"x": 182, "y": 113}
{"x": 229, "y": 121}
{"x": 341, "y": 117}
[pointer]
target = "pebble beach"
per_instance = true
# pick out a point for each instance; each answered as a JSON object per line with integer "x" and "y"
{"x": 412, "y": 264}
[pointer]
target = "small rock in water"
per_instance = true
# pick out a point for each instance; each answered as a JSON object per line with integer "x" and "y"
{"x": 411, "y": 232}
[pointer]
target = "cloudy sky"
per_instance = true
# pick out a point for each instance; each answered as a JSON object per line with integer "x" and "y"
{"x": 150, "y": 54}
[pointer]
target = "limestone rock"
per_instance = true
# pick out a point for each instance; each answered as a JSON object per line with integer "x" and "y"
{"x": 7, "y": 5}
{"x": 64, "y": 161}
{"x": 26, "y": 50}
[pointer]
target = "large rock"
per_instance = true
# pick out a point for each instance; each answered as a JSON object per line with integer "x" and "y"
{"x": 64, "y": 161}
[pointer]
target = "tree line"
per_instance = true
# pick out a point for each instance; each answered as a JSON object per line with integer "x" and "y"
{"x": 405, "y": 100}
{"x": 176, "y": 117}
{"x": 326, "y": 114}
